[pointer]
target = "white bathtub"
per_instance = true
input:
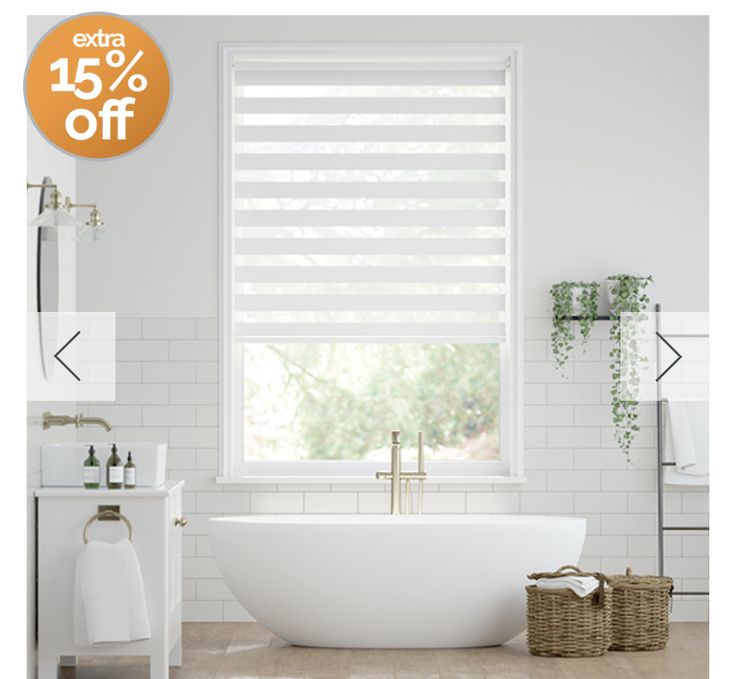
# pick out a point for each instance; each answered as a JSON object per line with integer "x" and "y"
{"x": 380, "y": 581}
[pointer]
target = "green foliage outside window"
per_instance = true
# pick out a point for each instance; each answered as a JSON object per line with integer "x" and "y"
{"x": 339, "y": 401}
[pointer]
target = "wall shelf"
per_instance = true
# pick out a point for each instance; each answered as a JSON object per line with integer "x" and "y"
{"x": 577, "y": 318}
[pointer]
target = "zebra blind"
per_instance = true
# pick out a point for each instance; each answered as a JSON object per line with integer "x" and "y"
{"x": 369, "y": 197}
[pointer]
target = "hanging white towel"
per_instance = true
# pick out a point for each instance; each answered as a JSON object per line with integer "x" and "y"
{"x": 109, "y": 601}
{"x": 686, "y": 443}
{"x": 582, "y": 585}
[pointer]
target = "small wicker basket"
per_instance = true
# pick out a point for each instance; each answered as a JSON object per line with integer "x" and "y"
{"x": 562, "y": 624}
{"x": 641, "y": 619}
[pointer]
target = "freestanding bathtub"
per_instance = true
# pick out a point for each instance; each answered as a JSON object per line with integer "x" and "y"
{"x": 381, "y": 581}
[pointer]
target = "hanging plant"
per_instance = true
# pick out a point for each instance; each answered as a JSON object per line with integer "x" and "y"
{"x": 626, "y": 294}
{"x": 571, "y": 299}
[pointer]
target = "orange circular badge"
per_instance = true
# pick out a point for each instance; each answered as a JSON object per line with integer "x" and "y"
{"x": 97, "y": 86}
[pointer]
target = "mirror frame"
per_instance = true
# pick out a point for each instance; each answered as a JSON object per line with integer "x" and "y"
{"x": 46, "y": 363}
{"x": 39, "y": 237}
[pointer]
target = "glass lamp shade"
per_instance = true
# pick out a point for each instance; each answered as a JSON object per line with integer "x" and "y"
{"x": 95, "y": 228}
{"x": 96, "y": 233}
{"x": 54, "y": 217}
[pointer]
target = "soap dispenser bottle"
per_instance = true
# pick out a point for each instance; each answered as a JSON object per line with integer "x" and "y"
{"x": 114, "y": 469}
{"x": 91, "y": 470}
{"x": 129, "y": 472}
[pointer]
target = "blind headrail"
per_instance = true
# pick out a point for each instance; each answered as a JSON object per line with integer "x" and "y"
{"x": 496, "y": 54}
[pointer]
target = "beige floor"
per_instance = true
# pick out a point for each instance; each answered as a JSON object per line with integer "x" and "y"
{"x": 247, "y": 651}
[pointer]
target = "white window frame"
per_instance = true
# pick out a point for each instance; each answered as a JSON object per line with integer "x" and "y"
{"x": 233, "y": 469}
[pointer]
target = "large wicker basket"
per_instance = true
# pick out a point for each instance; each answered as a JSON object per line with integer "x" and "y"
{"x": 562, "y": 624}
{"x": 640, "y": 619}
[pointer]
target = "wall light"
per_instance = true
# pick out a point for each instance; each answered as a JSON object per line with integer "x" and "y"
{"x": 57, "y": 213}
{"x": 94, "y": 228}
{"x": 54, "y": 215}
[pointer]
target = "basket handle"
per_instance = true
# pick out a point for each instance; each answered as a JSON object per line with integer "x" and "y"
{"x": 600, "y": 593}
{"x": 559, "y": 573}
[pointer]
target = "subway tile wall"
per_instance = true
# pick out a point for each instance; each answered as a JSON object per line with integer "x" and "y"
{"x": 168, "y": 391}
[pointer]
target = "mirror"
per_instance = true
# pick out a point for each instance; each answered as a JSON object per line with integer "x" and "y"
{"x": 47, "y": 284}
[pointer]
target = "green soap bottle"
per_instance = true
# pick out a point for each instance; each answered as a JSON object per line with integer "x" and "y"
{"x": 114, "y": 469}
{"x": 129, "y": 472}
{"x": 91, "y": 470}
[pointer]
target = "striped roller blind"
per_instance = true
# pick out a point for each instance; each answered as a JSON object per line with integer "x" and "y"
{"x": 369, "y": 197}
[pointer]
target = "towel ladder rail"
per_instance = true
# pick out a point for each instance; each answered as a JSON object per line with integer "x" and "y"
{"x": 661, "y": 528}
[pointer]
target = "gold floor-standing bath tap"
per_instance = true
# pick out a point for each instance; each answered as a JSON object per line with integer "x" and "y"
{"x": 397, "y": 476}
{"x": 395, "y": 473}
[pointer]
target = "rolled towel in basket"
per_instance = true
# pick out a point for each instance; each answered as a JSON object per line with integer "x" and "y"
{"x": 582, "y": 585}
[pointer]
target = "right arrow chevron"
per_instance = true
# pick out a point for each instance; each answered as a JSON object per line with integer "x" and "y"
{"x": 671, "y": 365}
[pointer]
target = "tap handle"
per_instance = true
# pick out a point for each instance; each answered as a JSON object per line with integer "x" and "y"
{"x": 395, "y": 436}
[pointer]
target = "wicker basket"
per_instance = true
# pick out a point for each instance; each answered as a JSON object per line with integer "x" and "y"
{"x": 641, "y": 604}
{"x": 562, "y": 624}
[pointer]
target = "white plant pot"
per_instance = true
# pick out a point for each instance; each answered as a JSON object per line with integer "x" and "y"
{"x": 610, "y": 290}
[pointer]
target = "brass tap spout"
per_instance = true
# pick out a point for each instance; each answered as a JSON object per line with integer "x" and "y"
{"x": 49, "y": 420}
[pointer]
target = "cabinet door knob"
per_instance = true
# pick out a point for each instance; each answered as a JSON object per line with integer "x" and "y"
{"x": 181, "y": 521}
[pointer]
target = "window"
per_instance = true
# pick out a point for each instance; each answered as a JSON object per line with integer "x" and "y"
{"x": 369, "y": 258}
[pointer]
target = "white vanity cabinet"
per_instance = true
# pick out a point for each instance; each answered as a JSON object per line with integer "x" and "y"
{"x": 156, "y": 520}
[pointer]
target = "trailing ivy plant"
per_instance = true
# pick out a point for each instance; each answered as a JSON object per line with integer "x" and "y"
{"x": 562, "y": 309}
{"x": 628, "y": 295}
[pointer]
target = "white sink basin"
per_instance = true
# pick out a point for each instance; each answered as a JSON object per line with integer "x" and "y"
{"x": 62, "y": 463}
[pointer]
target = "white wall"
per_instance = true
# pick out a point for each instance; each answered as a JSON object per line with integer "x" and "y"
{"x": 43, "y": 160}
{"x": 615, "y": 163}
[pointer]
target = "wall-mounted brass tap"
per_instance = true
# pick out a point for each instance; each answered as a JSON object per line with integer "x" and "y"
{"x": 49, "y": 420}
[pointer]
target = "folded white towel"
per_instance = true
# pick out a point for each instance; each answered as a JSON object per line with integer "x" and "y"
{"x": 582, "y": 585}
{"x": 109, "y": 601}
{"x": 686, "y": 443}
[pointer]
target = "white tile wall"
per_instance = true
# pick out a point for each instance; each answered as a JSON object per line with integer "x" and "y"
{"x": 168, "y": 390}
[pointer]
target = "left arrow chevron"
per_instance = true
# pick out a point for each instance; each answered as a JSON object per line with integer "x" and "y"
{"x": 56, "y": 355}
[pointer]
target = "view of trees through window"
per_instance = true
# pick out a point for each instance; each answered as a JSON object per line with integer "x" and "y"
{"x": 340, "y": 401}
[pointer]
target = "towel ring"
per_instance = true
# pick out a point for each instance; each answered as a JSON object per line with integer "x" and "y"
{"x": 107, "y": 514}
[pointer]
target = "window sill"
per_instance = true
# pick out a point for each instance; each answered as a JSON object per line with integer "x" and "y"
{"x": 305, "y": 480}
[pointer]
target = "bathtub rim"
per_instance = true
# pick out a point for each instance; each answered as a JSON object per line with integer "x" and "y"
{"x": 391, "y": 520}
